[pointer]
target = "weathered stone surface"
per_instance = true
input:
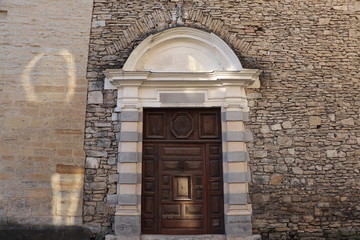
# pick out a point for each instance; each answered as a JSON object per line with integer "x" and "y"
{"x": 304, "y": 118}
{"x": 348, "y": 122}
{"x": 276, "y": 179}
{"x": 95, "y": 97}
{"x": 314, "y": 121}
{"x": 127, "y": 226}
{"x": 238, "y": 226}
{"x": 92, "y": 162}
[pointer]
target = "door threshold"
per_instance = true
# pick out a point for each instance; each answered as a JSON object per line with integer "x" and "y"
{"x": 183, "y": 237}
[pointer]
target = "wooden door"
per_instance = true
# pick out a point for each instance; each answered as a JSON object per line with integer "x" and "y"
{"x": 182, "y": 187}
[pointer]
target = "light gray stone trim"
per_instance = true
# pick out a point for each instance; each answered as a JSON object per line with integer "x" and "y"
{"x": 127, "y": 226}
{"x": 235, "y": 116}
{"x": 129, "y": 136}
{"x": 237, "y": 177}
{"x": 182, "y": 97}
{"x": 237, "y": 198}
{"x": 128, "y": 157}
{"x": 238, "y": 136}
{"x": 128, "y": 178}
{"x": 113, "y": 237}
{"x": 130, "y": 116}
{"x": 239, "y": 156}
{"x": 128, "y": 199}
{"x": 239, "y": 226}
{"x": 252, "y": 237}
{"x": 184, "y": 237}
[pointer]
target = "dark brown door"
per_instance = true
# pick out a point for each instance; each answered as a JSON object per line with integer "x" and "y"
{"x": 182, "y": 187}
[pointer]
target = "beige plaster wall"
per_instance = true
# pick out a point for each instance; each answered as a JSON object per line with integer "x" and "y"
{"x": 43, "y": 90}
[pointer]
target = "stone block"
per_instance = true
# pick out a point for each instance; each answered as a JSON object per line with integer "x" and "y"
{"x": 95, "y": 97}
{"x": 112, "y": 199}
{"x": 285, "y": 141}
{"x": 314, "y": 121}
{"x": 276, "y": 127}
{"x": 332, "y": 153}
{"x": 297, "y": 170}
{"x": 286, "y": 125}
{"x": 239, "y": 226}
{"x": 252, "y": 237}
{"x": 128, "y": 178}
{"x": 92, "y": 162}
{"x": 236, "y": 116}
{"x": 233, "y": 136}
{"x": 239, "y": 156}
{"x": 129, "y": 136}
{"x": 95, "y": 85}
{"x": 128, "y": 199}
{"x": 130, "y": 116}
{"x": 238, "y": 198}
{"x": 127, "y": 226}
{"x": 348, "y": 122}
{"x": 237, "y": 177}
{"x": 276, "y": 179}
{"x": 69, "y": 169}
{"x": 128, "y": 157}
{"x": 264, "y": 129}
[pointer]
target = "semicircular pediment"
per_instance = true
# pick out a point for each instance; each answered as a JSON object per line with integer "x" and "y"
{"x": 183, "y": 49}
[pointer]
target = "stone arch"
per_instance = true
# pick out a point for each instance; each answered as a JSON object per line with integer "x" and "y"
{"x": 160, "y": 20}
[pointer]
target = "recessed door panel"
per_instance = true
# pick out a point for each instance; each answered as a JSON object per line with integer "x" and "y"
{"x": 182, "y": 189}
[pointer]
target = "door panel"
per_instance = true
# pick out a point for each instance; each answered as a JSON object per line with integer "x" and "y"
{"x": 182, "y": 190}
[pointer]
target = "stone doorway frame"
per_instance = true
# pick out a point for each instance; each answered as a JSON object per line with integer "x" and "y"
{"x": 206, "y": 74}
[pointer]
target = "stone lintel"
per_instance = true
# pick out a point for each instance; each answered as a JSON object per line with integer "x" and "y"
{"x": 182, "y": 97}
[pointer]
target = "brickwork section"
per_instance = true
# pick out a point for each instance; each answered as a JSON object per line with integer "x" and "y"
{"x": 305, "y": 118}
{"x": 43, "y": 89}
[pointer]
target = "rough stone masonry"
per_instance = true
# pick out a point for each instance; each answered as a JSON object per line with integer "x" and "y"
{"x": 305, "y": 117}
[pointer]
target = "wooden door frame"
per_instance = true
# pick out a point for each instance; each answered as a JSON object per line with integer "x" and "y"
{"x": 167, "y": 137}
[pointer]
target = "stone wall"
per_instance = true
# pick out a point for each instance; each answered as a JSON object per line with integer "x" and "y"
{"x": 305, "y": 117}
{"x": 43, "y": 90}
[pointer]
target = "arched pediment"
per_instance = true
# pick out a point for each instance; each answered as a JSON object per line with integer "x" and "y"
{"x": 183, "y": 49}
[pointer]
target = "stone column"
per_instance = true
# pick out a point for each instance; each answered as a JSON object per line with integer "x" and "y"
{"x": 127, "y": 216}
{"x": 236, "y": 169}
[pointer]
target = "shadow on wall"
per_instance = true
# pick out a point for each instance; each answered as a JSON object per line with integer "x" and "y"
{"x": 19, "y": 232}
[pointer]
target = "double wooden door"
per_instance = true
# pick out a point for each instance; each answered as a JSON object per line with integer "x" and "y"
{"x": 182, "y": 186}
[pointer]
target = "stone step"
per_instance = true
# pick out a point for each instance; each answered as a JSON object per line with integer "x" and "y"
{"x": 184, "y": 237}
{"x": 198, "y": 237}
